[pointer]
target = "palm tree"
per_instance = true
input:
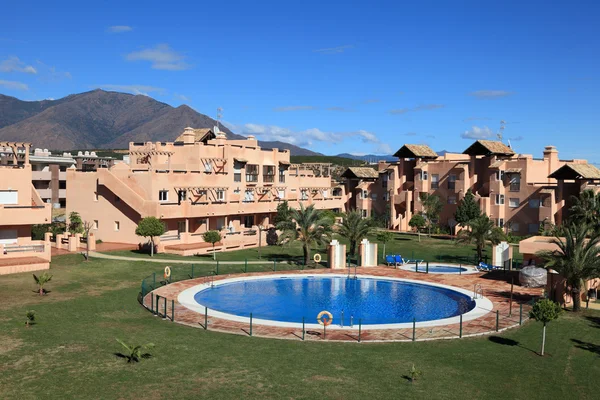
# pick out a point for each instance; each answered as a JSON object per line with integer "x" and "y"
{"x": 586, "y": 208}
{"x": 135, "y": 353}
{"x": 482, "y": 231}
{"x": 354, "y": 228}
{"x": 577, "y": 258}
{"x": 41, "y": 281}
{"x": 313, "y": 228}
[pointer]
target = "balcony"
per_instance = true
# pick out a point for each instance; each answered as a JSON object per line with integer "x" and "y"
{"x": 25, "y": 215}
{"x": 41, "y": 175}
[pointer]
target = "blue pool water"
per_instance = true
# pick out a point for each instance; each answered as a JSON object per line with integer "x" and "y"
{"x": 375, "y": 301}
{"x": 441, "y": 269}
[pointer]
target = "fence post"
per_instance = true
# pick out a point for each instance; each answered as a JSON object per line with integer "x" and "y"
{"x": 416, "y": 266}
{"x": 303, "y": 330}
{"x": 152, "y": 302}
{"x": 192, "y": 271}
{"x": 172, "y": 310}
{"x": 460, "y": 269}
{"x": 205, "y": 318}
{"x": 497, "y": 319}
{"x": 157, "y": 300}
{"x": 217, "y": 268}
{"x": 153, "y": 280}
{"x": 245, "y": 265}
{"x": 427, "y": 267}
{"x": 274, "y": 265}
{"x": 165, "y": 314}
{"x": 250, "y": 324}
{"x": 460, "y": 331}
{"x": 359, "y": 328}
{"x": 512, "y": 283}
{"x": 414, "y": 329}
{"x": 521, "y": 314}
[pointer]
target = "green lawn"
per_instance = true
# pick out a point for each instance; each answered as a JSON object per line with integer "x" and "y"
{"x": 429, "y": 249}
{"x": 69, "y": 353}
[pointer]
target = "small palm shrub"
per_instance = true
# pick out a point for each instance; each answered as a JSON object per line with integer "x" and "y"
{"x": 135, "y": 353}
{"x": 41, "y": 281}
{"x": 30, "y": 315}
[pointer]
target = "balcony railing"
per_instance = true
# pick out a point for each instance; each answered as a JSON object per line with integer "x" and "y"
{"x": 36, "y": 248}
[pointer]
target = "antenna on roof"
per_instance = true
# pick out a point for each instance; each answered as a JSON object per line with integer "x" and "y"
{"x": 500, "y": 134}
{"x": 219, "y": 115}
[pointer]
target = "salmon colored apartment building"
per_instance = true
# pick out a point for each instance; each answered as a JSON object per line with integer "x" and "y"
{"x": 202, "y": 181}
{"x": 20, "y": 208}
{"x": 517, "y": 191}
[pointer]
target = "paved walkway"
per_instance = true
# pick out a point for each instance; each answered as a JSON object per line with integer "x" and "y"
{"x": 95, "y": 254}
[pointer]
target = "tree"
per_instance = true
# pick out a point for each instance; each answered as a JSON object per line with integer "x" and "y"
{"x": 272, "y": 238}
{"x": 432, "y": 206}
{"x": 135, "y": 353}
{"x": 384, "y": 237}
{"x": 467, "y": 209}
{"x": 75, "y": 223}
{"x": 150, "y": 227}
{"x": 212, "y": 237}
{"x": 354, "y": 228}
{"x": 586, "y": 208}
{"x": 87, "y": 227}
{"x": 482, "y": 231}
{"x": 544, "y": 311}
{"x": 312, "y": 229}
{"x": 417, "y": 222}
{"x": 283, "y": 218}
{"x": 41, "y": 281}
{"x": 30, "y": 318}
{"x": 413, "y": 373}
{"x": 577, "y": 258}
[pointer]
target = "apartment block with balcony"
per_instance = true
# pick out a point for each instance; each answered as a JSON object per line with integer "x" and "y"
{"x": 199, "y": 182}
{"x": 517, "y": 191}
{"x": 20, "y": 208}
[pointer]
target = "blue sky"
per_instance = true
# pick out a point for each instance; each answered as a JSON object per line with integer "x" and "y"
{"x": 361, "y": 77}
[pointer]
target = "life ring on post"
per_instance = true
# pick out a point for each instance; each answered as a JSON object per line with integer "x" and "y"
{"x": 325, "y": 318}
{"x": 317, "y": 258}
{"x": 167, "y": 272}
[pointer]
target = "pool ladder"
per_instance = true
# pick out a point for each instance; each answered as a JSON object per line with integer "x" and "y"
{"x": 349, "y": 272}
{"x": 477, "y": 291}
{"x": 210, "y": 278}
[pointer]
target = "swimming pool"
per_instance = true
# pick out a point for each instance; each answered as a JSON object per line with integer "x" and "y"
{"x": 441, "y": 268}
{"x": 378, "y": 302}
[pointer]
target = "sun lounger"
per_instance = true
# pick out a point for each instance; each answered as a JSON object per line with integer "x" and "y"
{"x": 390, "y": 260}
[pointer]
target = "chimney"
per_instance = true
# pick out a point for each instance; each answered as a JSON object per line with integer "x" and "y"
{"x": 189, "y": 136}
{"x": 551, "y": 158}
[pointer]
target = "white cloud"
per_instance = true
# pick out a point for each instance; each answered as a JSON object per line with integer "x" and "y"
{"x": 13, "y": 64}
{"x": 308, "y": 137}
{"x": 135, "y": 89}
{"x": 12, "y": 85}
{"x": 294, "y": 108}
{"x": 181, "y": 97}
{"x": 478, "y": 133}
{"x": 384, "y": 148}
{"x": 490, "y": 94}
{"x": 119, "y": 29}
{"x": 334, "y": 50}
{"x": 423, "y": 107}
{"x": 161, "y": 57}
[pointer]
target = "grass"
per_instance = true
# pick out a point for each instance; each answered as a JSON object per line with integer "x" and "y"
{"x": 428, "y": 249}
{"x": 70, "y": 352}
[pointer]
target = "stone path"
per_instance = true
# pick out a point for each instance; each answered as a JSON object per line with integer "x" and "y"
{"x": 495, "y": 287}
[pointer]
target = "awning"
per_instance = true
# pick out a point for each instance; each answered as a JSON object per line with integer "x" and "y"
{"x": 285, "y": 163}
{"x": 241, "y": 160}
{"x": 547, "y": 191}
{"x": 513, "y": 171}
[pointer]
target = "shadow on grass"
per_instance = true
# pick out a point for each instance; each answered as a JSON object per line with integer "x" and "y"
{"x": 509, "y": 342}
{"x": 595, "y": 321}
{"x": 145, "y": 356}
{"x": 594, "y": 348}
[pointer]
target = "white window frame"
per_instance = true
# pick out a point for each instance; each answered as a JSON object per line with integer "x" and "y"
{"x": 220, "y": 195}
{"x": 117, "y": 226}
{"x": 500, "y": 222}
{"x": 96, "y": 224}
{"x": 500, "y": 199}
{"x": 163, "y": 195}
{"x": 424, "y": 175}
{"x": 511, "y": 202}
{"x": 435, "y": 181}
{"x": 500, "y": 175}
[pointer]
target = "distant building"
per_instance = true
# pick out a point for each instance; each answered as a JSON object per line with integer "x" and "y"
{"x": 200, "y": 182}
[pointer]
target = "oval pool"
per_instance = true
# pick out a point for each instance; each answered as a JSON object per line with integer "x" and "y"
{"x": 284, "y": 300}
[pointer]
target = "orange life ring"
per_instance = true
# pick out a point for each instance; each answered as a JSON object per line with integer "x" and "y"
{"x": 167, "y": 272}
{"x": 325, "y": 321}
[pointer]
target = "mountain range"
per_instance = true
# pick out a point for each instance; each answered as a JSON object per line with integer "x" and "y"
{"x": 104, "y": 120}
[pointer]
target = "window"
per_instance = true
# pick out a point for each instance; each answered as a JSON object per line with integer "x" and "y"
{"x": 373, "y": 196}
{"x": 500, "y": 222}
{"x": 268, "y": 174}
{"x": 499, "y": 199}
{"x": 325, "y": 194}
{"x": 365, "y": 194}
{"x": 384, "y": 181}
{"x": 237, "y": 171}
{"x": 499, "y": 175}
{"x": 424, "y": 175}
{"x": 515, "y": 183}
{"x": 220, "y": 195}
{"x": 208, "y": 167}
{"x": 534, "y": 203}
{"x": 435, "y": 181}
{"x": 163, "y": 195}
{"x": 181, "y": 195}
{"x": 117, "y": 226}
{"x": 281, "y": 175}
{"x": 96, "y": 224}
{"x": 533, "y": 228}
{"x": 180, "y": 226}
{"x": 248, "y": 221}
{"x": 304, "y": 194}
{"x": 251, "y": 173}
{"x": 95, "y": 196}
{"x": 451, "y": 182}
{"x": 365, "y": 213}
{"x": 249, "y": 195}
{"x": 451, "y": 199}
{"x": 513, "y": 202}
{"x": 281, "y": 194}
{"x": 62, "y": 184}
{"x": 514, "y": 227}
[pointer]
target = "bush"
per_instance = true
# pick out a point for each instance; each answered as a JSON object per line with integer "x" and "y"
{"x": 272, "y": 237}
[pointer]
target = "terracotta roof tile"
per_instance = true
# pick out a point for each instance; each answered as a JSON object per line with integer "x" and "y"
{"x": 488, "y": 147}
{"x": 416, "y": 150}
{"x": 361, "y": 173}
